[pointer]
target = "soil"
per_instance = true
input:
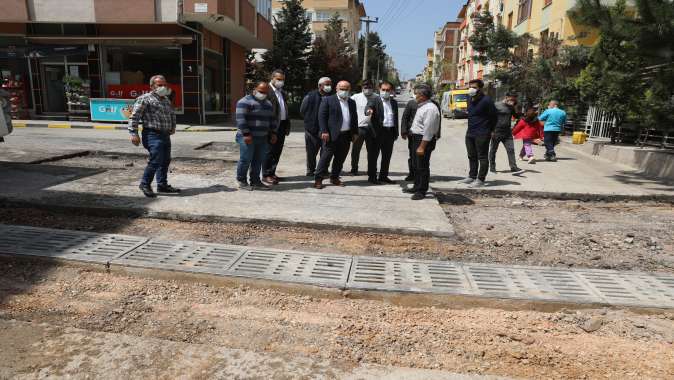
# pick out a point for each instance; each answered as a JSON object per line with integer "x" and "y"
{"x": 583, "y": 344}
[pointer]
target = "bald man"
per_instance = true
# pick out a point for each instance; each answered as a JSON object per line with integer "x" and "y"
{"x": 338, "y": 126}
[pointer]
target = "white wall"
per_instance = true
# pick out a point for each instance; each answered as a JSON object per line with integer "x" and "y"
{"x": 63, "y": 10}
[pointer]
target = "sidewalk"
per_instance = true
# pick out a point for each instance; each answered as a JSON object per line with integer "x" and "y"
{"x": 113, "y": 126}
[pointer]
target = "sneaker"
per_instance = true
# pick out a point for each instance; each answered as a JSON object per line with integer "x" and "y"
{"x": 387, "y": 180}
{"x": 467, "y": 180}
{"x": 522, "y": 158}
{"x": 531, "y": 160}
{"x": 147, "y": 191}
{"x": 477, "y": 184}
{"x": 243, "y": 185}
{"x": 167, "y": 189}
{"x": 553, "y": 158}
{"x": 516, "y": 170}
{"x": 418, "y": 196}
{"x": 259, "y": 186}
{"x": 409, "y": 178}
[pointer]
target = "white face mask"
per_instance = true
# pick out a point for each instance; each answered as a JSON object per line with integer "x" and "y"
{"x": 385, "y": 95}
{"x": 260, "y": 96}
{"x": 343, "y": 94}
{"x": 162, "y": 91}
{"x": 278, "y": 84}
{"x": 367, "y": 91}
{"x": 327, "y": 89}
{"x": 472, "y": 91}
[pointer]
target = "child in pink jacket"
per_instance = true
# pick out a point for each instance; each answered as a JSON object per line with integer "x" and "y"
{"x": 530, "y": 131}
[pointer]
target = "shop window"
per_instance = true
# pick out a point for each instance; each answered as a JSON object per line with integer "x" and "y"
{"x": 214, "y": 75}
{"x": 128, "y": 69}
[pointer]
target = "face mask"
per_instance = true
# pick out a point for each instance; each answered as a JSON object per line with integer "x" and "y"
{"x": 162, "y": 91}
{"x": 343, "y": 94}
{"x": 367, "y": 91}
{"x": 385, "y": 95}
{"x": 259, "y": 96}
{"x": 472, "y": 91}
{"x": 327, "y": 89}
{"x": 278, "y": 84}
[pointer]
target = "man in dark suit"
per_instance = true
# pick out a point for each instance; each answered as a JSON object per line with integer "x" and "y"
{"x": 406, "y": 124}
{"x": 338, "y": 122}
{"x": 278, "y": 99}
{"x": 383, "y": 111}
{"x": 309, "y": 110}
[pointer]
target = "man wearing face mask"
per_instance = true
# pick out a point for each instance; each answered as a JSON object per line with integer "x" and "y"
{"x": 482, "y": 118}
{"x": 338, "y": 122}
{"x": 503, "y": 132}
{"x": 256, "y": 128}
{"x": 309, "y": 110}
{"x": 383, "y": 111}
{"x": 155, "y": 112}
{"x": 364, "y": 125}
{"x": 277, "y": 97}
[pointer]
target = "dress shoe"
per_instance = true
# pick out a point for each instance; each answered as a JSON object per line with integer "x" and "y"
{"x": 269, "y": 180}
{"x": 354, "y": 172}
{"x": 373, "y": 181}
{"x": 387, "y": 180}
{"x": 410, "y": 190}
{"x": 147, "y": 191}
{"x": 277, "y": 179}
{"x": 318, "y": 184}
{"x": 259, "y": 186}
{"x": 418, "y": 196}
{"x": 167, "y": 189}
{"x": 409, "y": 178}
{"x": 311, "y": 174}
{"x": 336, "y": 182}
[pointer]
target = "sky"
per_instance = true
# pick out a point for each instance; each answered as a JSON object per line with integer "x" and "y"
{"x": 407, "y": 27}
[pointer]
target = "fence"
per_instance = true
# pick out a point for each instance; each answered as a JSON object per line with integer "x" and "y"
{"x": 599, "y": 123}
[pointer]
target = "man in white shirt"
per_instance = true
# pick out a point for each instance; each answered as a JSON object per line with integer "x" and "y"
{"x": 277, "y": 97}
{"x": 361, "y": 99}
{"x": 424, "y": 132}
{"x": 383, "y": 111}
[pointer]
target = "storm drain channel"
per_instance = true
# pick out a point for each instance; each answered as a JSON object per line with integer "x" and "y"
{"x": 347, "y": 272}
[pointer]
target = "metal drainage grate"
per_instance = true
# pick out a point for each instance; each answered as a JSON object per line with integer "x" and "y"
{"x": 315, "y": 269}
{"x": 631, "y": 288}
{"x": 183, "y": 256}
{"x": 75, "y": 245}
{"x": 407, "y": 275}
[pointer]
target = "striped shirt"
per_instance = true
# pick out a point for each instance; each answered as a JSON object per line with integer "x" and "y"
{"x": 254, "y": 118}
{"x": 154, "y": 112}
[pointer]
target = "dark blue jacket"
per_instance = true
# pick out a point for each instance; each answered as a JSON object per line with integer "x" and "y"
{"x": 482, "y": 117}
{"x": 309, "y": 110}
{"x": 330, "y": 117}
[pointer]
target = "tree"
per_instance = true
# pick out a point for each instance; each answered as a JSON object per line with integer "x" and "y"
{"x": 332, "y": 55}
{"x": 255, "y": 71}
{"x": 292, "y": 39}
{"x": 376, "y": 56}
{"x": 492, "y": 43}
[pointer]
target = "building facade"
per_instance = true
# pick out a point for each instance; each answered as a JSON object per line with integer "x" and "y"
{"x": 109, "y": 50}
{"x": 446, "y": 54}
{"x": 320, "y": 11}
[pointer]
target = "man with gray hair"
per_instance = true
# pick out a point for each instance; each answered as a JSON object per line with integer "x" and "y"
{"x": 309, "y": 110}
{"x": 155, "y": 112}
{"x": 424, "y": 132}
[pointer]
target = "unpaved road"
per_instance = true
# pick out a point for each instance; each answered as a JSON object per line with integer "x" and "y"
{"x": 325, "y": 327}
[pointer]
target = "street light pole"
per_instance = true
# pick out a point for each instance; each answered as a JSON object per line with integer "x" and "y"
{"x": 367, "y": 20}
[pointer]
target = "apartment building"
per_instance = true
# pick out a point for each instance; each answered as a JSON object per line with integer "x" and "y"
{"x": 320, "y": 11}
{"x": 446, "y": 54}
{"x": 110, "y": 49}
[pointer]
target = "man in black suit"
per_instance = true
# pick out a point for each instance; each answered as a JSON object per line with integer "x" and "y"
{"x": 383, "y": 111}
{"x": 338, "y": 122}
{"x": 278, "y": 99}
{"x": 309, "y": 110}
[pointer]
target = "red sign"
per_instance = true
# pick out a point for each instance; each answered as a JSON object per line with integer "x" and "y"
{"x": 132, "y": 91}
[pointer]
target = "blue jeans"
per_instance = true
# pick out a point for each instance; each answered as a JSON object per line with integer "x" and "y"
{"x": 251, "y": 156}
{"x": 159, "y": 146}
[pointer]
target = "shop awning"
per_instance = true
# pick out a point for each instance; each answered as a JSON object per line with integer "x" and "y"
{"x": 118, "y": 41}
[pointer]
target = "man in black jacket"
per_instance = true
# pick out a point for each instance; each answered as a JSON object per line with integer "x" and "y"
{"x": 309, "y": 110}
{"x": 481, "y": 122}
{"x": 338, "y": 122}
{"x": 278, "y": 99}
{"x": 383, "y": 111}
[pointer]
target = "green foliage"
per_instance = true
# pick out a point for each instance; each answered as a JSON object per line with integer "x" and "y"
{"x": 376, "y": 57}
{"x": 292, "y": 39}
{"x": 492, "y": 43}
{"x": 332, "y": 55}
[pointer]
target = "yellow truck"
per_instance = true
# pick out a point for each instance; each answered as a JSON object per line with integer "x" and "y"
{"x": 455, "y": 104}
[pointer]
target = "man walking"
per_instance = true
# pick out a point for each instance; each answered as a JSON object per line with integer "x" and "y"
{"x": 277, "y": 97}
{"x": 338, "y": 126}
{"x": 481, "y": 123}
{"x": 405, "y": 125}
{"x": 364, "y": 125}
{"x": 256, "y": 128}
{"x": 309, "y": 110}
{"x": 383, "y": 111}
{"x": 423, "y": 133}
{"x": 155, "y": 112}
{"x": 505, "y": 111}
{"x": 554, "y": 119}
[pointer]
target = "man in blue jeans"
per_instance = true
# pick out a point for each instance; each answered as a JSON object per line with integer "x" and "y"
{"x": 256, "y": 125}
{"x": 155, "y": 112}
{"x": 554, "y": 119}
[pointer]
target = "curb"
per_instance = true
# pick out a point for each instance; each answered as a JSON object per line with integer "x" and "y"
{"x": 608, "y": 198}
{"x": 112, "y": 127}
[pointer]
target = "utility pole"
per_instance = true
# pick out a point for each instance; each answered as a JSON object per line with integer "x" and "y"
{"x": 367, "y": 20}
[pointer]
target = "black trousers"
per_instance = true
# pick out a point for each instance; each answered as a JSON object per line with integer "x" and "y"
{"x": 382, "y": 143}
{"x": 335, "y": 151}
{"x": 422, "y": 164}
{"x": 355, "y": 152}
{"x": 509, "y": 144}
{"x": 274, "y": 154}
{"x": 313, "y": 147}
{"x": 550, "y": 139}
{"x": 410, "y": 159}
{"x": 478, "y": 156}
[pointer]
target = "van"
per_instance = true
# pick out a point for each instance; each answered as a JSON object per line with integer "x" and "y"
{"x": 455, "y": 104}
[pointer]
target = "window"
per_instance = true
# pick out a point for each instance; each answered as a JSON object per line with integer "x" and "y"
{"x": 310, "y": 15}
{"x": 264, "y": 8}
{"x": 524, "y": 11}
{"x": 510, "y": 21}
{"x": 324, "y": 15}
{"x": 214, "y": 75}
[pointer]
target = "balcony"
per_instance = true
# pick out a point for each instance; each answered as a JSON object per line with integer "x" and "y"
{"x": 236, "y": 20}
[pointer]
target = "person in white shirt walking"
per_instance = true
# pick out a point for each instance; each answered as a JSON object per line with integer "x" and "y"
{"x": 424, "y": 133}
{"x": 278, "y": 98}
{"x": 364, "y": 125}
{"x": 383, "y": 111}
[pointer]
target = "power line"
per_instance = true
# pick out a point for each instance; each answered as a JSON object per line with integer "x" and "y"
{"x": 394, "y": 15}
